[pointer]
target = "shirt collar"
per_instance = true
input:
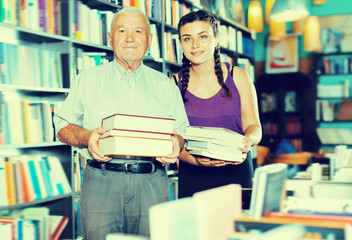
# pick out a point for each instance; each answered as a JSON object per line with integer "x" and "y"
{"x": 120, "y": 70}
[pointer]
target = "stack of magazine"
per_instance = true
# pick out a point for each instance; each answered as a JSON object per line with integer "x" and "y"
{"x": 213, "y": 142}
{"x": 134, "y": 135}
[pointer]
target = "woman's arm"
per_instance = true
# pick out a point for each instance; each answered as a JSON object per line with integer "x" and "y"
{"x": 249, "y": 107}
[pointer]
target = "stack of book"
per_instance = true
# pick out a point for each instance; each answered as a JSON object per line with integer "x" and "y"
{"x": 213, "y": 142}
{"x": 134, "y": 135}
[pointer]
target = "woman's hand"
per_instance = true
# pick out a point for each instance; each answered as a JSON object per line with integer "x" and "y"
{"x": 209, "y": 162}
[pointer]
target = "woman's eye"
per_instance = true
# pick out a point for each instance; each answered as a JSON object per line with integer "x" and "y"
{"x": 186, "y": 39}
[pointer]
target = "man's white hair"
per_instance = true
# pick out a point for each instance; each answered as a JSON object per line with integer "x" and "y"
{"x": 132, "y": 10}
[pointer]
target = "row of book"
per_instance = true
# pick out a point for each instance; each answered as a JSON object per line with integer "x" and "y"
{"x": 172, "y": 48}
{"x": 293, "y": 125}
{"x": 168, "y": 11}
{"x": 228, "y": 37}
{"x": 25, "y": 178}
{"x": 335, "y": 65}
{"x": 338, "y": 89}
{"x": 335, "y": 135}
{"x": 333, "y": 110}
{"x": 31, "y": 59}
{"x": 91, "y": 25}
{"x": 84, "y": 60}
{"x": 270, "y": 128}
{"x": 26, "y": 121}
{"x": 32, "y": 223}
{"x": 42, "y": 15}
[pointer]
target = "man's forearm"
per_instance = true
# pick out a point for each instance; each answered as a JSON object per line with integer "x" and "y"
{"x": 74, "y": 135}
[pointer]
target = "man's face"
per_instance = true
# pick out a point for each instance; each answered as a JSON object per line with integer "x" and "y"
{"x": 130, "y": 37}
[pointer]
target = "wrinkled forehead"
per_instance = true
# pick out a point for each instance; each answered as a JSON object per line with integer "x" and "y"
{"x": 131, "y": 20}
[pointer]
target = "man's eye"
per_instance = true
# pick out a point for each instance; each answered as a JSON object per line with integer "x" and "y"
{"x": 138, "y": 31}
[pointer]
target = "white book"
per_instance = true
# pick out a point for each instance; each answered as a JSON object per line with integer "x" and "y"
{"x": 3, "y": 184}
{"x": 217, "y": 135}
{"x": 43, "y": 191}
{"x": 268, "y": 189}
{"x": 58, "y": 175}
{"x": 139, "y": 123}
{"x": 135, "y": 146}
{"x": 208, "y": 215}
{"x": 140, "y": 134}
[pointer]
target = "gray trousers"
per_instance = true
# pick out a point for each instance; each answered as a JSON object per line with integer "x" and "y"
{"x": 116, "y": 202}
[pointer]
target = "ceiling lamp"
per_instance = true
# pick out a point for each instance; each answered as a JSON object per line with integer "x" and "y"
{"x": 277, "y": 30}
{"x": 319, "y": 1}
{"x": 312, "y": 39}
{"x": 288, "y": 10}
{"x": 298, "y": 26}
{"x": 255, "y": 16}
{"x": 268, "y": 6}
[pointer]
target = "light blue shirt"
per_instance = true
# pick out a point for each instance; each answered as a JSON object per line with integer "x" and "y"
{"x": 107, "y": 89}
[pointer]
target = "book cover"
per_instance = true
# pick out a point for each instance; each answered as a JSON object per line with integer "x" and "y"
{"x": 139, "y": 123}
{"x": 40, "y": 214}
{"x": 56, "y": 225}
{"x": 135, "y": 146}
{"x": 268, "y": 189}
{"x": 4, "y": 201}
{"x": 35, "y": 179}
{"x": 58, "y": 175}
{"x": 27, "y": 184}
{"x": 222, "y": 136}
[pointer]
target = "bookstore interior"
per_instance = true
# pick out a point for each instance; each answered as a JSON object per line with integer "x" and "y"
{"x": 298, "y": 53}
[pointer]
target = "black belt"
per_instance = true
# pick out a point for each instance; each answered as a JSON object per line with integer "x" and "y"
{"x": 126, "y": 167}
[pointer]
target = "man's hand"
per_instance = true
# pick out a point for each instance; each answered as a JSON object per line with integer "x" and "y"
{"x": 172, "y": 158}
{"x": 93, "y": 148}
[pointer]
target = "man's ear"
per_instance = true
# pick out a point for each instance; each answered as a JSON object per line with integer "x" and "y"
{"x": 110, "y": 39}
{"x": 150, "y": 39}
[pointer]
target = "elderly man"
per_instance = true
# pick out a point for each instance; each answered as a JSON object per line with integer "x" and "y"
{"x": 113, "y": 201}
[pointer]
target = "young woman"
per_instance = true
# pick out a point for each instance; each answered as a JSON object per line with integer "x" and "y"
{"x": 214, "y": 97}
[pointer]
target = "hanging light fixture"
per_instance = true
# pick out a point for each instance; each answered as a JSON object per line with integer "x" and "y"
{"x": 312, "y": 37}
{"x": 268, "y": 6}
{"x": 255, "y": 16}
{"x": 277, "y": 30}
{"x": 319, "y": 1}
{"x": 288, "y": 10}
{"x": 298, "y": 26}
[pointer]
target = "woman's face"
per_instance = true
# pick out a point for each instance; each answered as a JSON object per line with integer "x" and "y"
{"x": 198, "y": 41}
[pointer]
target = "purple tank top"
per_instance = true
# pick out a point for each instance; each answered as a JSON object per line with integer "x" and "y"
{"x": 216, "y": 111}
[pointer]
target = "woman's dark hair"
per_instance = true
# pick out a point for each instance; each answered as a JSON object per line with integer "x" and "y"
{"x": 204, "y": 16}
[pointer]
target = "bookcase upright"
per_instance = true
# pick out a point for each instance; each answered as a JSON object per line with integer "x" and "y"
{"x": 42, "y": 48}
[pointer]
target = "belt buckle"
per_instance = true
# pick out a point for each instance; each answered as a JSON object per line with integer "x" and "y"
{"x": 126, "y": 167}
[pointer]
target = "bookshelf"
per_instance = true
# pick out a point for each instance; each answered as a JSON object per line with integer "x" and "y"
{"x": 286, "y": 110}
{"x": 333, "y": 100}
{"x": 45, "y": 46}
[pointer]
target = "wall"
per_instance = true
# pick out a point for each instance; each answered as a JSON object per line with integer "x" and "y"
{"x": 332, "y": 7}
